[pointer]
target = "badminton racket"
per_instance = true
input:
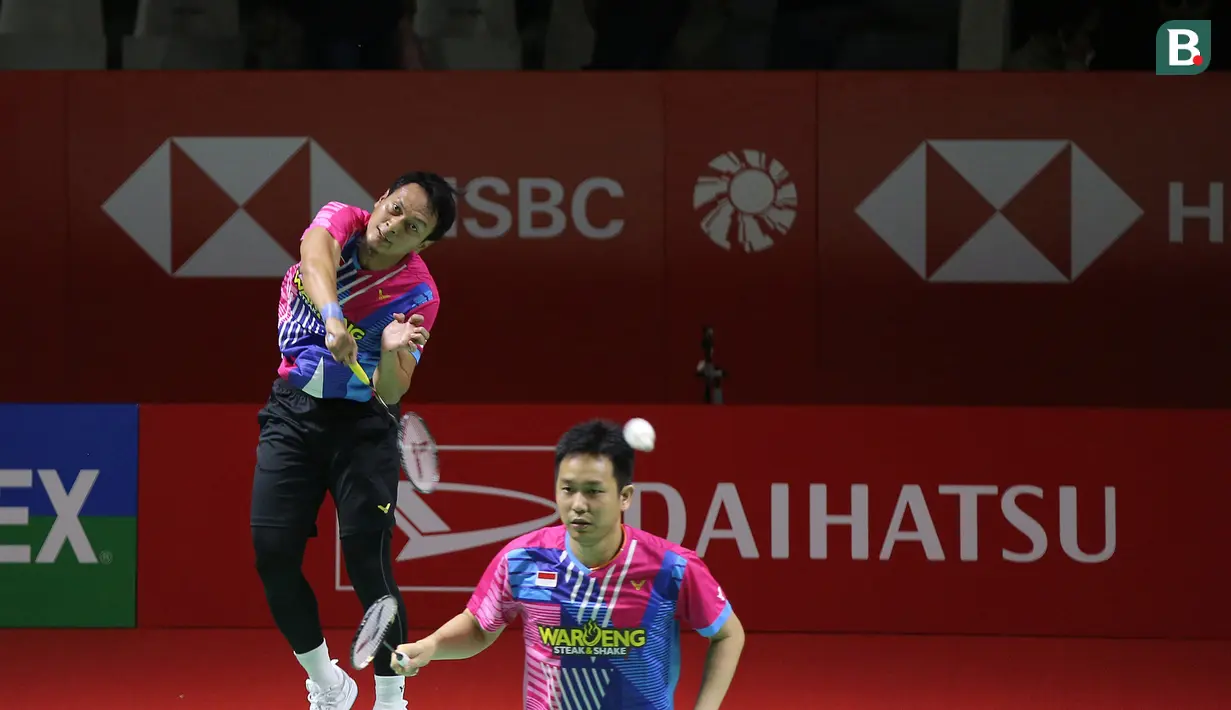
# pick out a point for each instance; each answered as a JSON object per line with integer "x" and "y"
{"x": 416, "y": 446}
{"x": 373, "y": 629}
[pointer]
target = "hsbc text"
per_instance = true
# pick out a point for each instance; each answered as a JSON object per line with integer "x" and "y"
{"x": 540, "y": 196}
{"x": 844, "y": 513}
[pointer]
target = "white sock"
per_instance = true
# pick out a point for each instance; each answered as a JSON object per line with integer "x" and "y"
{"x": 319, "y": 666}
{"x": 390, "y": 689}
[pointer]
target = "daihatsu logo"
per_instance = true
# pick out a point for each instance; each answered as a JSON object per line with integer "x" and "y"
{"x": 429, "y": 535}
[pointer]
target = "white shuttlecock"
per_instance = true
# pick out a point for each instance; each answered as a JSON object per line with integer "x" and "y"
{"x": 639, "y": 434}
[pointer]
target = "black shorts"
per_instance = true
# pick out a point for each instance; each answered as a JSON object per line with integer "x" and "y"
{"x": 309, "y": 446}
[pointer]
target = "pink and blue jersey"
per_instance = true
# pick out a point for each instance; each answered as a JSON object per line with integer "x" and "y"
{"x": 368, "y": 299}
{"x": 599, "y": 639}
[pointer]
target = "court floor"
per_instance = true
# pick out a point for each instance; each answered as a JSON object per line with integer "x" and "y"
{"x": 226, "y": 669}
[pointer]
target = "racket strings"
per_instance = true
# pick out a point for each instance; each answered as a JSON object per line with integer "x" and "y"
{"x": 419, "y": 453}
{"x": 373, "y": 629}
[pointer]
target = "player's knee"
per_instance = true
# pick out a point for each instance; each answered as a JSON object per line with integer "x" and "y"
{"x": 278, "y": 551}
{"x": 369, "y": 563}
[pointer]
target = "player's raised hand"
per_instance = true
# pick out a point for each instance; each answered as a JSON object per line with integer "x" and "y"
{"x": 414, "y": 656}
{"x": 404, "y": 333}
{"x": 340, "y": 342}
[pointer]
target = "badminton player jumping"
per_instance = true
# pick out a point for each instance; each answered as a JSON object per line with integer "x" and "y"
{"x": 360, "y": 293}
{"x": 599, "y": 600}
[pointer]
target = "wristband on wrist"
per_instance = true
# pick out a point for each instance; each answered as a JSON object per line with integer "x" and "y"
{"x": 332, "y": 310}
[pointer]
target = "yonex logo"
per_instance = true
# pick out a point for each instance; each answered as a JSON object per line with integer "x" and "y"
{"x": 897, "y": 211}
{"x": 751, "y": 198}
{"x": 67, "y": 505}
{"x": 241, "y": 247}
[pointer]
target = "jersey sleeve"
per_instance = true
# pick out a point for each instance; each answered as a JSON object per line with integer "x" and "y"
{"x": 339, "y": 220}
{"x": 702, "y": 605}
{"x": 428, "y": 310}
{"x": 492, "y": 602}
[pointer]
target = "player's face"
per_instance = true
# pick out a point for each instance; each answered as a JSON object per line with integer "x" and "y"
{"x": 401, "y": 222}
{"x": 590, "y": 501}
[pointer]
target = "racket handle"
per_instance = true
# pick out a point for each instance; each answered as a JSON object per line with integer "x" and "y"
{"x": 363, "y": 376}
{"x": 396, "y": 653}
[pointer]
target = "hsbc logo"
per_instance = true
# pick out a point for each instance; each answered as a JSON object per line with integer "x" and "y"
{"x": 240, "y": 167}
{"x": 998, "y": 252}
{"x": 749, "y": 198}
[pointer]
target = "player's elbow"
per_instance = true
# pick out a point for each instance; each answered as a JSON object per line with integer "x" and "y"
{"x": 732, "y": 631}
{"x": 484, "y": 638}
{"x": 489, "y": 637}
{"x": 481, "y": 638}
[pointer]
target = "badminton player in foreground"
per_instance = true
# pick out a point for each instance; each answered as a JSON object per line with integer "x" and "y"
{"x": 599, "y": 600}
{"x": 359, "y": 294}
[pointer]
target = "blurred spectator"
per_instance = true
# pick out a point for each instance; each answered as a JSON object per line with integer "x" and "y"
{"x": 700, "y": 39}
{"x": 724, "y": 34}
{"x": 865, "y": 34}
{"x": 533, "y": 18}
{"x": 746, "y": 34}
{"x": 634, "y": 34}
{"x": 354, "y": 34}
{"x": 806, "y": 33}
{"x": 903, "y": 34}
{"x": 52, "y": 34}
{"x": 570, "y": 36}
{"x": 185, "y": 35}
{"x": 274, "y": 37}
{"x": 679, "y": 34}
{"x": 469, "y": 34}
{"x": 1053, "y": 36}
{"x": 119, "y": 19}
{"x": 412, "y": 54}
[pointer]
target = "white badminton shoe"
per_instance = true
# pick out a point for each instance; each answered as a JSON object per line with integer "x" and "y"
{"x": 339, "y": 696}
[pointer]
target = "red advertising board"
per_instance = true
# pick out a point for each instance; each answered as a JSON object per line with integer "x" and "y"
{"x": 35, "y": 211}
{"x": 551, "y": 246}
{"x": 875, "y": 238}
{"x": 1022, "y": 240}
{"x": 740, "y": 246}
{"x": 895, "y": 520}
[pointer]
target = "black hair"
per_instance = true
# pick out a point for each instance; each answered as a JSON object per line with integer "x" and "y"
{"x": 599, "y": 437}
{"x": 440, "y": 195}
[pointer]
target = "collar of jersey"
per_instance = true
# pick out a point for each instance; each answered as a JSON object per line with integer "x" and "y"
{"x": 568, "y": 547}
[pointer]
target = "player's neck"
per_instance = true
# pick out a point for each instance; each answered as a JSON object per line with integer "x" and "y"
{"x": 600, "y": 552}
{"x": 377, "y": 262}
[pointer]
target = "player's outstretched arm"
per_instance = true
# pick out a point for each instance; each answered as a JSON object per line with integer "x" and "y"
{"x": 460, "y": 637}
{"x": 487, "y": 613}
{"x": 318, "y": 262}
{"x": 720, "y": 663}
